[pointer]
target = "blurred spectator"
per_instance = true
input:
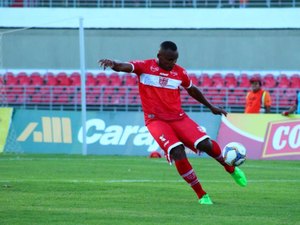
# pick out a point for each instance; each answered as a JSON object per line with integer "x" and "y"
{"x": 293, "y": 108}
{"x": 257, "y": 100}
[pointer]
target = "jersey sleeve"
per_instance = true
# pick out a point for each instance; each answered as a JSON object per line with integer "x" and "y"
{"x": 138, "y": 66}
{"x": 186, "y": 81}
{"x": 268, "y": 100}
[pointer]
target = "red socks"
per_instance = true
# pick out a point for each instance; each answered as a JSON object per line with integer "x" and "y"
{"x": 217, "y": 155}
{"x": 186, "y": 171}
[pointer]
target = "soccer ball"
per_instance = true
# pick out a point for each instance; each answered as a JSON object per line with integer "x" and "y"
{"x": 234, "y": 154}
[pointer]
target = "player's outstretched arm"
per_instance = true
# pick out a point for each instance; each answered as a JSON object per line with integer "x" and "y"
{"x": 197, "y": 94}
{"x": 115, "y": 65}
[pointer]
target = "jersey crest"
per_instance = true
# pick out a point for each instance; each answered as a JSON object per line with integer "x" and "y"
{"x": 163, "y": 81}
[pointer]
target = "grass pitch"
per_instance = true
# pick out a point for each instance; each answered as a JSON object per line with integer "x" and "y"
{"x": 121, "y": 190}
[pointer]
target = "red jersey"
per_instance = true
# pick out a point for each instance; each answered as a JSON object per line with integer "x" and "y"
{"x": 160, "y": 89}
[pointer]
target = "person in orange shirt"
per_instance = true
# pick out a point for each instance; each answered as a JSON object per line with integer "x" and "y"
{"x": 257, "y": 100}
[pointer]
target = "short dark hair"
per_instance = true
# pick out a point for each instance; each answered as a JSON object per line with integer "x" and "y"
{"x": 168, "y": 45}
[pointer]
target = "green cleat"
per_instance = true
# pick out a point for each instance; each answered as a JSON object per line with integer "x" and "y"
{"x": 205, "y": 200}
{"x": 239, "y": 177}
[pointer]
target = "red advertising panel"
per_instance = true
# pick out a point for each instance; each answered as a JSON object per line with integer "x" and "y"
{"x": 265, "y": 136}
{"x": 282, "y": 139}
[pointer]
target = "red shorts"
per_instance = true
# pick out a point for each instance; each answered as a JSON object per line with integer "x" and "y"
{"x": 169, "y": 134}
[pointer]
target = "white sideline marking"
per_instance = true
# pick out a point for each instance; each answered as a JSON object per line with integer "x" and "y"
{"x": 68, "y": 159}
{"x": 205, "y": 181}
{"x": 141, "y": 181}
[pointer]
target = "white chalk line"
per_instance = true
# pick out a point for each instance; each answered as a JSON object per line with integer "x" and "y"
{"x": 116, "y": 158}
{"x": 139, "y": 181}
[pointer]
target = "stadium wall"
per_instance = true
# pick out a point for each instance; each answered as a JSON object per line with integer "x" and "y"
{"x": 198, "y": 49}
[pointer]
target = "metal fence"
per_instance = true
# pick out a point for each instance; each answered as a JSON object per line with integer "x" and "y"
{"x": 126, "y": 98}
{"x": 150, "y": 3}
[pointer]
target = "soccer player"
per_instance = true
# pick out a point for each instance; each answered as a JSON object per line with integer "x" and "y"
{"x": 293, "y": 108}
{"x": 257, "y": 100}
{"x": 159, "y": 87}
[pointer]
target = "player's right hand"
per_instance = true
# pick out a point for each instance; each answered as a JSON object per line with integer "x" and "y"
{"x": 106, "y": 63}
{"x": 218, "y": 111}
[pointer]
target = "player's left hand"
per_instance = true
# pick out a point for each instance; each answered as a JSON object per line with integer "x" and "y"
{"x": 218, "y": 111}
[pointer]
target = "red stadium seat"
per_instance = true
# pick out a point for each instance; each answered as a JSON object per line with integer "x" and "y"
{"x": 35, "y": 74}
{"x": 10, "y": 98}
{"x": 133, "y": 96}
{"x": 114, "y": 79}
{"x": 257, "y": 75}
{"x": 243, "y": 80}
{"x": 118, "y": 98}
{"x": 269, "y": 81}
{"x": 295, "y": 81}
{"x": 232, "y": 100}
{"x": 129, "y": 79}
{"x": 23, "y": 80}
{"x": 291, "y": 93}
{"x": 56, "y": 90}
{"x": 91, "y": 99}
{"x": 46, "y": 99}
{"x": 283, "y": 81}
{"x": 194, "y": 79}
{"x": 74, "y": 79}
{"x": 218, "y": 100}
{"x": 205, "y": 80}
{"x": 45, "y": 90}
{"x": 97, "y": 90}
{"x": 63, "y": 79}
{"x": 22, "y": 74}
{"x": 74, "y": 74}
{"x": 37, "y": 98}
{"x": 90, "y": 80}
{"x": 230, "y": 80}
{"x": 50, "y": 79}
{"x": 36, "y": 79}
{"x": 102, "y": 79}
{"x": 21, "y": 98}
{"x": 29, "y": 90}
{"x": 10, "y": 79}
{"x": 217, "y": 80}
{"x": 61, "y": 99}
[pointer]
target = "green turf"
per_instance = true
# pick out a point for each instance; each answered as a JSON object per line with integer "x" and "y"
{"x": 115, "y": 190}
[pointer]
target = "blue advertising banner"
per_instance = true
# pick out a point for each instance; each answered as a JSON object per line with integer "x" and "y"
{"x": 108, "y": 133}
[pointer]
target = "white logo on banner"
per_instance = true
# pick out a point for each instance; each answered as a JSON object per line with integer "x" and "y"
{"x": 98, "y": 132}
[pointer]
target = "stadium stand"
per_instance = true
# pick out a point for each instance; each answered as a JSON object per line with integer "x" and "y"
{"x": 114, "y": 91}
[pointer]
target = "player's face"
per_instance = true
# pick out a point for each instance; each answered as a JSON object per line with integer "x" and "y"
{"x": 255, "y": 86}
{"x": 167, "y": 59}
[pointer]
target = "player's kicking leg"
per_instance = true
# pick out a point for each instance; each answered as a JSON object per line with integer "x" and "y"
{"x": 215, "y": 152}
{"x": 167, "y": 139}
{"x": 186, "y": 171}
